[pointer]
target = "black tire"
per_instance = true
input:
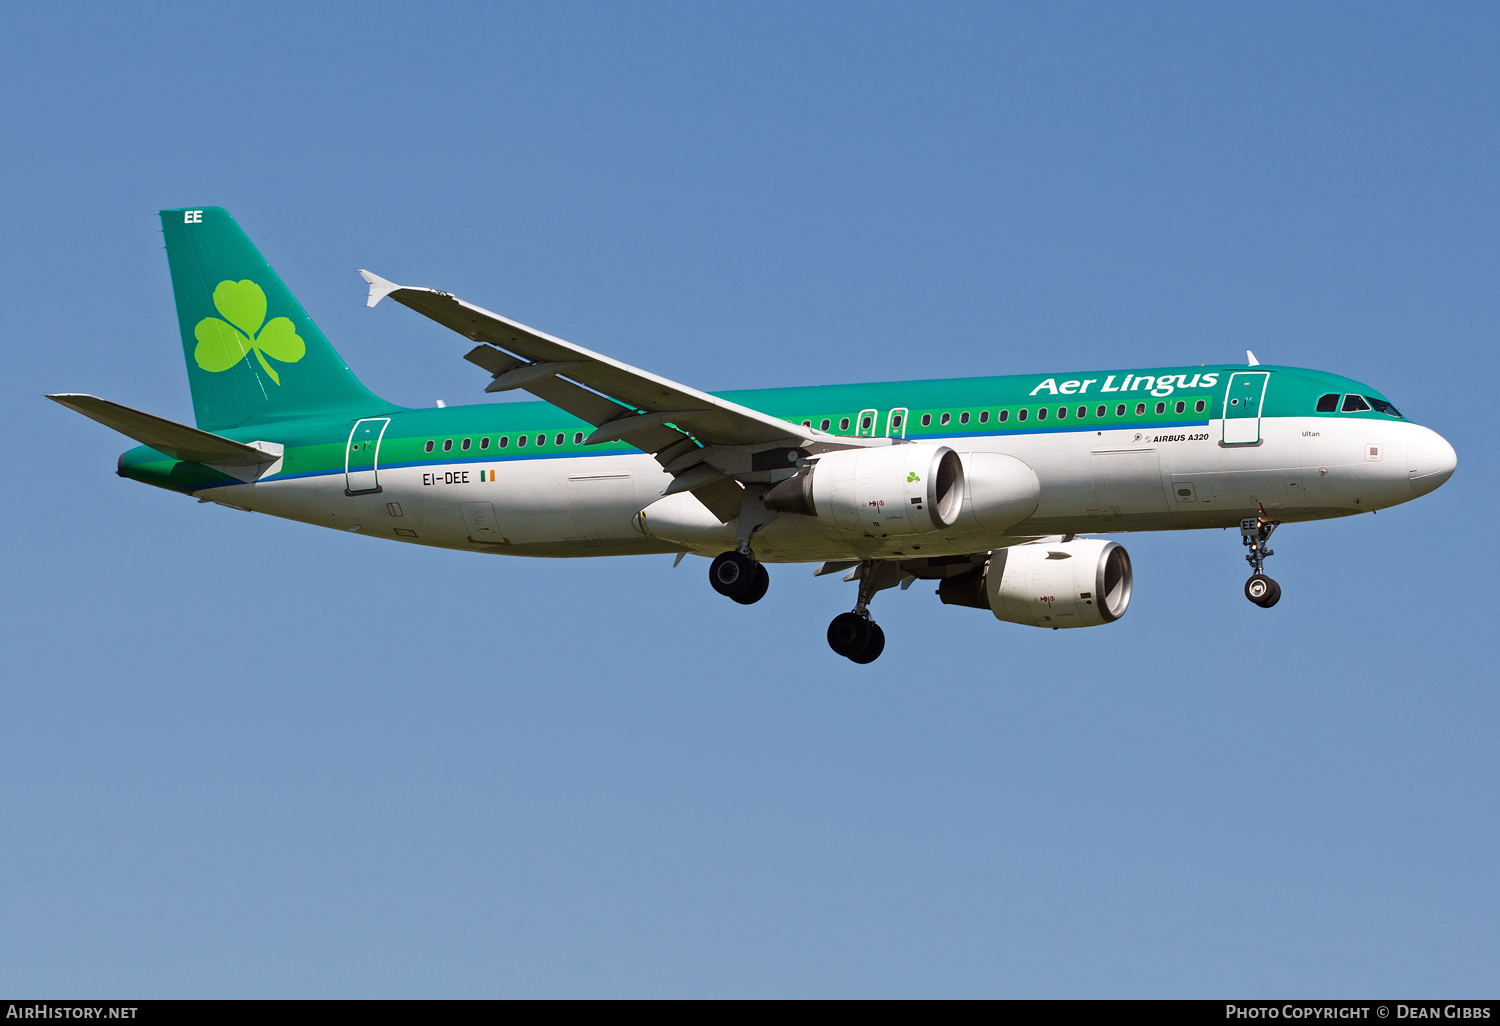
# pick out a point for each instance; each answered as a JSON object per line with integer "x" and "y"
{"x": 848, "y": 634}
{"x": 758, "y": 589}
{"x": 873, "y": 647}
{"x": 732, "y": 574}
{"x": 1257, "y": 588}
{"x": 1263, "y": 591}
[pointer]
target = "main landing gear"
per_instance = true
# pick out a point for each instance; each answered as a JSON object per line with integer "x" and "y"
{"x": 1254, "y": 533}
{"x": 738, "y": 576}
{"x": 854, "y": 635}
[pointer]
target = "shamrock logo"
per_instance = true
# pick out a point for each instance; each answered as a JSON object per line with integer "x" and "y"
{"x": 224, "y": 343}
{"x": 912, "y": 477}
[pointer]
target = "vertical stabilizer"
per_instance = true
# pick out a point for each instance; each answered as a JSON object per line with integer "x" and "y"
{"x": 253, "y": 354}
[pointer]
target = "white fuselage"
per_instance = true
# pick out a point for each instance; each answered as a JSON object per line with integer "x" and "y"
{"x": 1091, "y": 481}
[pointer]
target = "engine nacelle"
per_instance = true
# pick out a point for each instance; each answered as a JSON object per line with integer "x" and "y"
{"x": 889, "y": 490}
{"x": 1081, "y": 583}
{"x": 1002, "y": 490}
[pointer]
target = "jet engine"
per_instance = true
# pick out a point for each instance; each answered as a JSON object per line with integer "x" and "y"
{"x": 1080, "y": 583}
{"x": 890, "y": 490}
{"x": 1002, "y": 490}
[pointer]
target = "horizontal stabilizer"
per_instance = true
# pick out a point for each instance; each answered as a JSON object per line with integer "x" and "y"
{"x": 168, "y": 437}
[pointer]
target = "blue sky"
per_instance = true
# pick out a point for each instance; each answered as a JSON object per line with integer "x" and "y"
{"x": 245, "y": 757}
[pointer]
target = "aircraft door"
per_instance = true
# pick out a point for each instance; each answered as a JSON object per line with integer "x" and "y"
{"x": 479, "y": 518}
{"x": 1127, "y": 481}
{"x": 603, "y": 506}
{"x": 865, "y": 426}
{"x": 895, "y": 423}
{"x": 1243, "y": 399}
{"x": 361, "y": 457}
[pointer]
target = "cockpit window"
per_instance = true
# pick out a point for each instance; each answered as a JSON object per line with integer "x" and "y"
{"x": 1384, "y": 407}
{"x": 1328, "y": 403}
{"x": 1354, "y": 404}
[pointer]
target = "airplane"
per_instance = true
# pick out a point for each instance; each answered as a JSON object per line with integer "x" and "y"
{"x": 995, "y": 488}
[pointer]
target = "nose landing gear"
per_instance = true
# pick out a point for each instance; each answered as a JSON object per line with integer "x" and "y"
{"x": 1254, "y": 533}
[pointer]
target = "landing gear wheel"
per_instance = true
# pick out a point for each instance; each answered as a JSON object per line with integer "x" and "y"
{"x": 1263, "y": 591}
{"x": 732, "y": 574}
{"x": 762, "y": 581}
{"x": 849, "y": 634}
{"x": 1254, "y": 533}
{"x": 873, "y": 647}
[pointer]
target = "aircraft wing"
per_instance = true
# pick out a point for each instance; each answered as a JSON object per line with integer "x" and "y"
{"x": 166, "y": 436}
{"x": 705, "y": 442}
{"x": 640, "y": 401}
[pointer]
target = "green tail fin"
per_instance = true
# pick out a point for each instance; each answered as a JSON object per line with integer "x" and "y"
{"x": 253, "y": 354}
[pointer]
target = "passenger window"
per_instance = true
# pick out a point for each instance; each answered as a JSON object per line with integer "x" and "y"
{"x": 504, "y": 441}
{"x": 1004, "y": 416}
{"x": 984, "y": 416}
{"x": 1062, "y": 413}
{"x": 1140, "y": 409}
{"x": 560, "y": 439}
{"x": 464, "y": 445}
{"x": 1198, "y": 406}
{"x": 1384, "y": 407}
{"x": 1161, "y": 408}
{"x": 844, "y": 424}
{"x": 926, "y": 419}
{"x": 1101, "y": 411}
{"x": 1179, "y": 407}
{"x": 1021, "y": 414}
{"x": 1328, "y": 403}
{"x": 825, "y": 424}
{"x": 1083, "y": 411}
{"x": 577, "y": 437}
{"x": 428, "y": 446}
{"x": 807, "y": 423}
{"x": 896, "y": 421}
{"x": 484, "y": 443}
{"x": 447, "y": 444}
{"x": 1041, "y": 414}
{"x": 1354, "y": 404}
{"x": 963, "y": 418}
{"x": 1120, "y": 410}
{"x": 520, "y": 440}
{"x": 944, "y": 419}
{"x": 864, "y": 424}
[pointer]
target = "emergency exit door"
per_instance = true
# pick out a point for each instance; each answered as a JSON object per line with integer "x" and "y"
{"x": 362, "y": 457}
{"x": 1243, "y": 399}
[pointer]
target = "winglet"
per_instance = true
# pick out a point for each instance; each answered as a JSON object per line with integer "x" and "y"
{"x": 379, "y": 287}
{"x": 1249, "y": 356}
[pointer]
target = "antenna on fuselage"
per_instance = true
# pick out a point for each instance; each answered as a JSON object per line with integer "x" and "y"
{"x": 1250, "y": 359}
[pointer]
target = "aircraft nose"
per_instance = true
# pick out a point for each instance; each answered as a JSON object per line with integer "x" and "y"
{"x": 1430, "y": 461}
